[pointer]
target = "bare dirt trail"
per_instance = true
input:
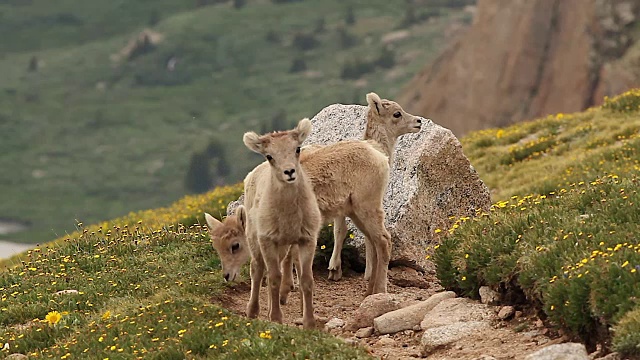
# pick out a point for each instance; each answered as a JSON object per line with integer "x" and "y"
{"x": 506, "y": 340}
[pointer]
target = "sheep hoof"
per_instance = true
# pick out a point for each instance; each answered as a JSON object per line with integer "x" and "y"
{"x": 335, "y": 275}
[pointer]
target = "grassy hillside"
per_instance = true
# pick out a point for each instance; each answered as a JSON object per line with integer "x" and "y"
{"x": 141, "y": 287}
{"x": 563, "y": 233}
{"x": 85, "y": 137}
{"x": 564, "y": 242}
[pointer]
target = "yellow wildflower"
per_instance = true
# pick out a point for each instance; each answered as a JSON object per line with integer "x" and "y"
{"x": 53, "y": 317}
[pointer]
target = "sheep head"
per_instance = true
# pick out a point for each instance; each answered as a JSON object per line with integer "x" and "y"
{"x": 229, "y": 241}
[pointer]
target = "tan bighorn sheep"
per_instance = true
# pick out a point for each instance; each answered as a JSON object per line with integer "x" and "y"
{"x": 386, "y": 122}
{"x": 336, "y": 172}
{"x": 281, "y": 211}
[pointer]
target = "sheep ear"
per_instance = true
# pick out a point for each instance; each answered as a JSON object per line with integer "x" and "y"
{"x": 241, "y": 213}
{"x": 303, "y": 129}
{"x": 212, "y": 222}
{"x": 374, "y": 101}
{"x": 253, "y": 142}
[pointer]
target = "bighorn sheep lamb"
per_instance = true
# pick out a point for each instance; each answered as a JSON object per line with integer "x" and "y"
{"x": 281, "y": 211}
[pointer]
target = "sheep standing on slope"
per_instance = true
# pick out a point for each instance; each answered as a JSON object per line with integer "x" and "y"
{"x": 386, "y": 122}
{"x": 281, "y": 211}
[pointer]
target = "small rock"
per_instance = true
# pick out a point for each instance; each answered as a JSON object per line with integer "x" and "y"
{"x": 364, "y": 332}
{"x": 405, "y": 276}
{"x": 612, "y": 356}
{"x": 372, "y": 307}
{"x": 386, "y": 341}
{"x": 506, "y": 312}
{"x": 531, "y": 334}
{"x": 566, "y": 351}
{"x": 451, "y": 311}
{"x": 66, "y": 292}
{"x": 434, "y": 338}
{"x": 410, "y": 316}
{"x": 334, "y": 324}
{"x": 484, "y": 357}
{"x": 416, "y": 328}
{"x": 408, "y": 333}
{"x": 518, "y": 314}
{"x": 488, "y": 296}
{"x": 539, "y": 323}
{"x": 352, "y": 341}
{"x": 17, "y": 356}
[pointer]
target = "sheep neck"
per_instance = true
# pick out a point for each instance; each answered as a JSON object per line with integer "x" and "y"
{"x": 379, "y": 134}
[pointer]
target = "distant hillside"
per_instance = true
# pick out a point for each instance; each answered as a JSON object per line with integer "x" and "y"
{"x": 525, "y": 59}
{"x": 99, "y": 117}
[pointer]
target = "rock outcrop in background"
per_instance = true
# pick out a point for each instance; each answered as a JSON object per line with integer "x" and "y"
{"x": 523, "y": 59}
{"x": 431, "y": 180}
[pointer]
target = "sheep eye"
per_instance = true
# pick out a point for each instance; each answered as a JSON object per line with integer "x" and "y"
{"x": 269, "y": 157}
{"x": 235, "y": 247}
{"x": 298, "y": 150}
{"x": 397, "y": 114}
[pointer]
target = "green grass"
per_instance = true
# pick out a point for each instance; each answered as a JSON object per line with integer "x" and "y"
{"x": 562, "y": 235}
{"x": 145, "y": 285}
{"x": 90, "y": 139}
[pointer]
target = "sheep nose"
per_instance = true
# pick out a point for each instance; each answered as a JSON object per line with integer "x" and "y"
{"x": 290, "y": 172}
{"x": 226, "y": 277}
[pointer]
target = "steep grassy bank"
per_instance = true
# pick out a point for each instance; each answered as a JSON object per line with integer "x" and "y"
{"x": 562, "y": 235}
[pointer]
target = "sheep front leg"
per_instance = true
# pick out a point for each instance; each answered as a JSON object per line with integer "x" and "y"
{"x": 339, "y": 234}
{"x": 257, "y": 273}
{"x": 272, "y": 261}
{"x": 307, "y": 250}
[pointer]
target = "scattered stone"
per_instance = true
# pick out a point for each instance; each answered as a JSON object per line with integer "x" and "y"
{"x": 66, "y": 292}
{"x": 518, "y": 314}
{"x": 488, "y": 296}
{"x": 17, "y": 356}
{"x": 451, "y": 311}
{"x": 408, "y": 332}
{"x": 484, "y": 357}
{"x": 612, "y": 356}
{"x": 352, "y": 341}
{"x": 506, "y": 312}
{"x": 539, "y": 323}
{"x": 437, "y": 337}
{"x": 334, "y": 324}
{"x": 364, "y": 332}
{"x": 404, "y": 276}
{"x": 531, "y": 334}
{"x": 386, "y": 341}
{"x": 408, "y": 317}
{"x": 372, "y": 307}
{"x": 416, "y": 328}
{"x": 566, "y": 351}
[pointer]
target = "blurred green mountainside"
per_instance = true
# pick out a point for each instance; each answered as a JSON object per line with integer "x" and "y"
{"x": 107, "y": 107}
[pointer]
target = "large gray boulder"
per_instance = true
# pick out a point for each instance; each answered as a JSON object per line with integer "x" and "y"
{"x": 431, "y": 180}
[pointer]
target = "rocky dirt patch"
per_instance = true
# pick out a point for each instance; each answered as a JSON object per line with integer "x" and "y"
{"x": 495, "y": 338}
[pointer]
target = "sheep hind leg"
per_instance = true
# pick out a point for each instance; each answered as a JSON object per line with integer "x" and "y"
{"x": 287, "y": 275}
{"x": 306, "y": 253}
{"x": 371, "y": 223}
{"x": 339, "y": 234}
